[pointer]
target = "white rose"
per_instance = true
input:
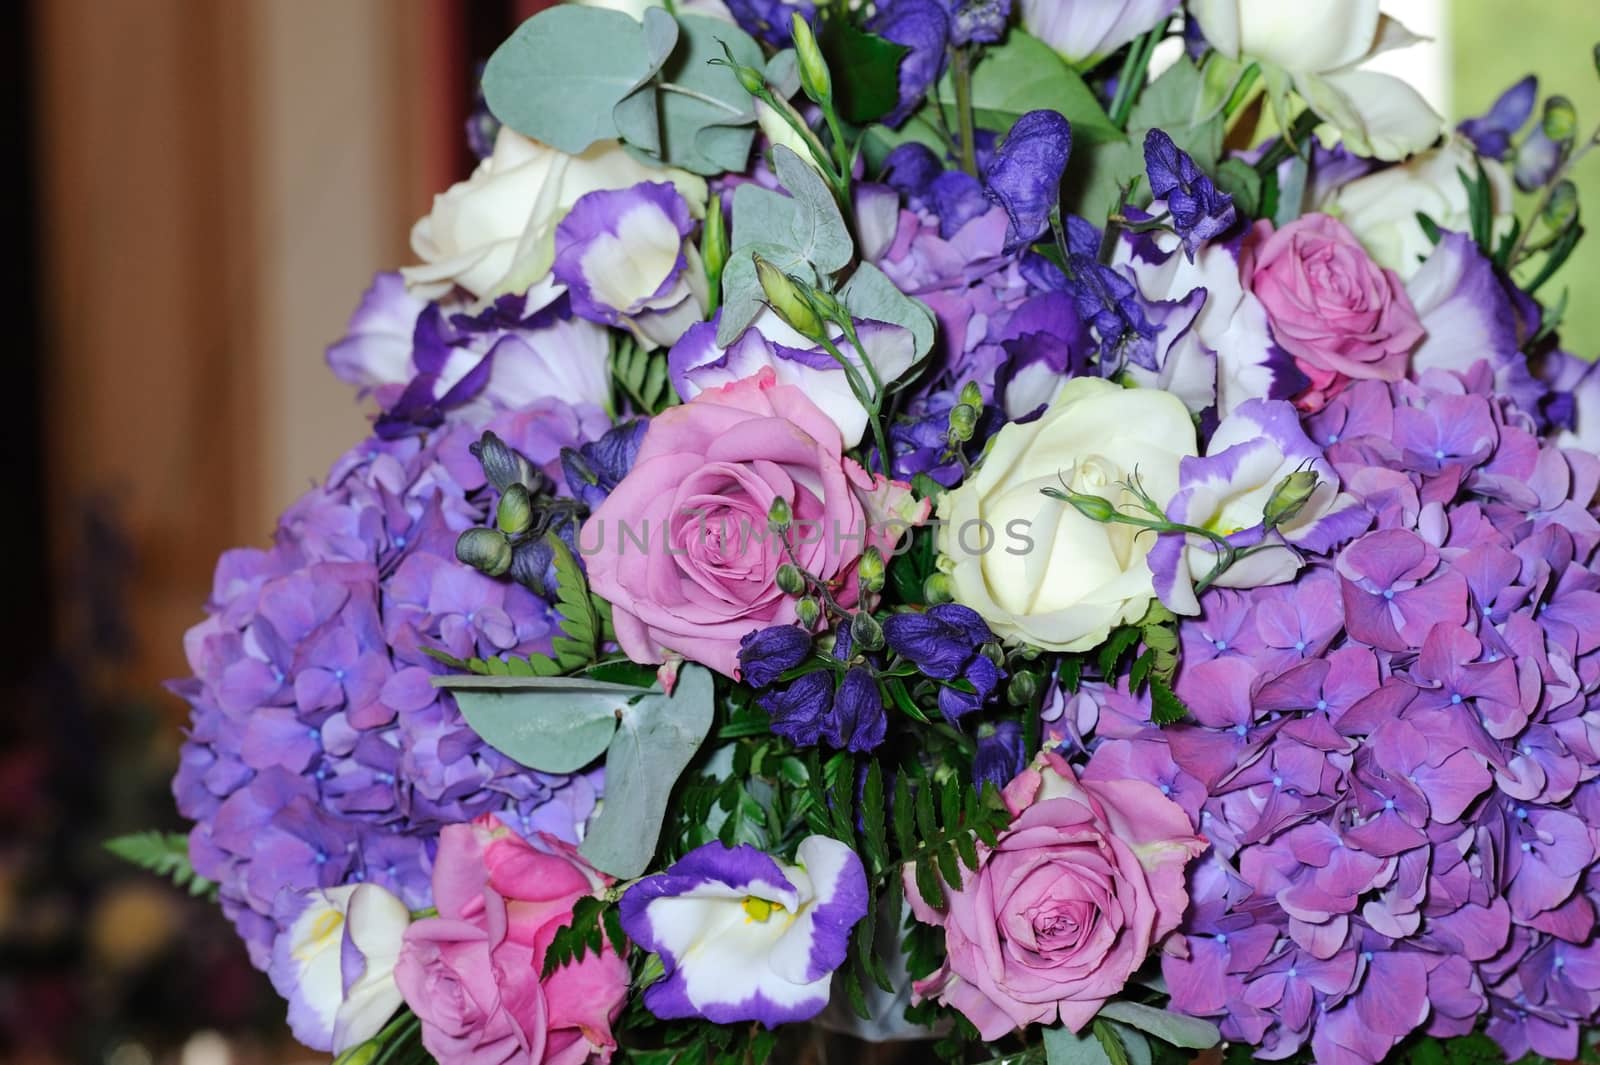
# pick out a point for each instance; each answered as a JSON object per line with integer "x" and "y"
{"x": 1381, "y": 209}
{"x": 1037, "y": 570}
{"x": 1318, "y": 49}
{"x": 495, "y": 232}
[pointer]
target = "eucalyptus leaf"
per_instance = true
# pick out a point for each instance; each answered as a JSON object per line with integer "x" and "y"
{"x": 561, "y": 74}
{"x": 552, "y": 724}
{"x": 637, "y": 119}
{"x": 1024, "y": 74}
{"x": 817, "y": 228}
{"x": 1292, "y": 192}
{"x": 707, "y": 119}
{"x": 1062, "y": 1046}
{"x": 742, "y": 296}
{"x": 783, "y": 73}
{"x": 870, "y": 294}
{"x": 1191, "y": 1033}
{"x": 654, "y": 742}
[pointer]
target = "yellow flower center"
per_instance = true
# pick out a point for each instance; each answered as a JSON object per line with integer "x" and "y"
{"x": 760, "y": 909}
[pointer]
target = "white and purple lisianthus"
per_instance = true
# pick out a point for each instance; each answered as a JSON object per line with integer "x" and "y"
{"x": 334, "y": 962}
{"x": 745, "y": 937}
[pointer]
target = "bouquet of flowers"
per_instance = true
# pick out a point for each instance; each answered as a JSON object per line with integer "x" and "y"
{"x": 1060, "y": 529}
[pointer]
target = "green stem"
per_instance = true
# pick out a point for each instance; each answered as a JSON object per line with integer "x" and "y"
{"x": 841, "y": 149}
{"x": 1241, "y": 92}
{"x": 961, "y": 76}
{"x": 872, "y": 401}
{"x": 1288, "y": 143}
{"x": 1131, "y": 78}
{"x": 838, "y": 182}
{"x": 1520, "y": 247}
{"x": 693, "y": 94}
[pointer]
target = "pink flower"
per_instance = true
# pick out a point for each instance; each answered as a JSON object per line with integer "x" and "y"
{"x": 1336, "y": 311}
{"x": 1088, "y": 878}
{"x": 681, "y": 548}
{"x": 472, "y": 974}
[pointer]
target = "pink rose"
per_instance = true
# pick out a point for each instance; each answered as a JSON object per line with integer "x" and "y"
{"x": 1336, "y": 311}
{"x": 1057, "y": 917}
{"x": 472, "y": 974}
{"x": 681, "y": 550}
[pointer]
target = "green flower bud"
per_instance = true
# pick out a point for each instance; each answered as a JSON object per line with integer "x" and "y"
{"x": 871, "y": 570}
{"x": 502, "y": 467}
{"x": 750, "y": 79}
{"x": 485, "y": 550}
{"x": 1562, "y": 210}
{"x": 1560, "y": 119}
{"x": 714, "y": 241}
{"x": 778, "y": 515}
{"x": 814, "y": 77}
{"x": 971, "y": 395}
{"x": 807, "y": 611}
{"x": 963, "y": 423}
{"x": 1289, "y": 497}
{"x": 515, "y": 512}
{"x": 1092, "y": 507}
{"x": 865, "y": 632}
{"x": 994, "y": 653}
{"x": 1022, "y": 690}
{"x": 364, "y": 1054}
{"x": 787, "y": 298}
{"x": 790, "y": 580}
{"x": 938, "y": 589}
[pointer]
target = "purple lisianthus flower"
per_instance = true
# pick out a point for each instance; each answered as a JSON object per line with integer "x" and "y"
{"x": 767, "y": 654}
{"x": 923, "y": 27}
{"x": 1082, "y": 30}
{"x": 772, "y": 21}
{"x": 745, "y": 937}
{"x": 696, "y": 363}
{"x": 1491, "y": 132}
{"x": 1025, "y": 175}
{"x": 1199, "y": 210}
{"x": 1465, "y": 311}
{"x": 622, "y": 255}
{"x": 334, "y": 962}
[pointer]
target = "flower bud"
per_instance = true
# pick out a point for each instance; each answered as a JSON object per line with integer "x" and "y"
{"x": 963, "y": 423}
{"x": 807, "y": 611}
{"x": 871, "y": 570}
{"x": 714, "y": 241}
{"x": 814, "y": 77}
{"x": 1022, "y": 690}
{"x": 779, "y": 515}
{"x": 485, "y": 550}
{"x": 787, "y": 299}
{"x": 994, "y": 653}
{"x": 1092, "y": 507}
{"x": 938, "y": 589}
{"x": 790, "y": 580}
{"x": 1289, "y": 497}
{"x": 865, "y": 632}
{"x": 515, "y": 512}
{"x": 502, "y": 467}
{"x": 1560, "y": 119}
{"x": 362, "y": 1054}
{"x": 971, "y": 395}
{"x": 1562, "y": 210}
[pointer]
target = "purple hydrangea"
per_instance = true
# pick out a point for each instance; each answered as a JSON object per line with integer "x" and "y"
{"x": 1395, "y": 756}
{"x": 319, "y": 754}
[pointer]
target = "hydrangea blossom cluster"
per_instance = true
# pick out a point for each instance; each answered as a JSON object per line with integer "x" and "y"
{"x": 319, "y": 752}
{"x": 1394, "y": 757}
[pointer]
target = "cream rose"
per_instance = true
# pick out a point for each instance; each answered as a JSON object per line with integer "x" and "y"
{"x": 494, "y": 233}
{"x": 1381, "y": 209}
{"x": 1037, "y": 570}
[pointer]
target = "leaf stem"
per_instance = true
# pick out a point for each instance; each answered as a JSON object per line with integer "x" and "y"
{"x": 961, "y": 76}
{"x": 1131, "y": 78}
{"x": 694, "y": 94}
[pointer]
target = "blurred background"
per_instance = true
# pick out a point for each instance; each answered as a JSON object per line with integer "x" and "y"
{"x": 202, "y": 190}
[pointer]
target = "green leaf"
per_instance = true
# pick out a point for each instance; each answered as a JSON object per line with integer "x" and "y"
{"x": 1113, "y": 650}
{"x": 865, "y": 69}
{"x": 905, "y": 835}
{"x": 783, "y": 73}
{"x": 870, "y": 294}
{"x": 1062, "y": 1046}
{"x": 164, "y": 854}
{"x": 872, "y": 819}
{"x": 1239, "y": 179}
{"x": 579, "y": 619}
{"x": 561, "y": 73}
{"x": 636, "y": 116}
{"x": 552, "y": 724}
{"x": 1430, "y": 228}
{"x": 926, "y": 824}
{"x": 1165, "y": 706}
{"x": 1191, "y": 1033}
{"x": 816, "y": 228}
{"x": 1024, "y": 74}
{"x": 1110, "y": 1042}
{"x": 742, "y": 297}
{"x": 654, "y": 742}
{"x": 696, "y": 115}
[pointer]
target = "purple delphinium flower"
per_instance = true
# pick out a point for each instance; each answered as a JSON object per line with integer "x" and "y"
{"x": 1199, "y": 210}
{"x": 594, "y": 469}
{"x": 767, "y": 654}
{"x": 857, "y": 721}
{"x": 1002, "y": 754}
{"x": 745, "y": 937}
{"x": 319, "y": 754}
{"x": 1025, "y": 175}
{"x": 1491, "y": 132}
{"x": 771, "y": 21}
{"x": 977, "y": 21}
{"x": 945, "y": 643}
{"x": 923, "y": 27}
